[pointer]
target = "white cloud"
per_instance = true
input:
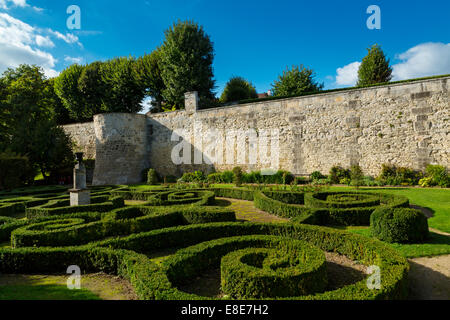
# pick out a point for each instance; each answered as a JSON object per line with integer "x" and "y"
{"x": 4, "y": 4}
{"x": 78, "y": 60}
{"x": 426, "y": 59}
{"x": 68, "y": 37}
{"x": 17, "y": 46}
{"x": 348, "y": 75}
{"x": 44, "y": 42}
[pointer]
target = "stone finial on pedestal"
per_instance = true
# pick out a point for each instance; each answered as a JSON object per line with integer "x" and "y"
{"x": 79, "y": 195}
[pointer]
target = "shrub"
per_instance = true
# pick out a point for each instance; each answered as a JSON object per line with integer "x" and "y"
{"x": 338, "y": 173}
{"x": 317, "y": 175}
{"x": 196, "y": 176}
{"x": 392, "y": 175}
{"x": 438, "y": 175}
{"x": 170, "y": 179}
{"x": 152, "y": 177}
{"x": 399, "y": 225}
{"x": 15, "y": 171}
{"x": 356, "y": 176}
{"x": 237, "y": 176}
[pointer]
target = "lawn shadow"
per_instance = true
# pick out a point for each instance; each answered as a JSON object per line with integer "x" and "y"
{"x": 222, "y": 203}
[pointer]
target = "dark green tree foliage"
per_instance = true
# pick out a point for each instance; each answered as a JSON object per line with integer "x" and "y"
{"x": 62, "y": 115}
{"x": 124, "y": 91}
{"x": 374, "y": 68}
{"x": 30, "y": 126}
{"x": 295, "y": 82}
{"x": 66, "y": 87}
{"x": 149, "y": 75}
{"x": 238, "y": 88}
{"x": 186, "y": 64}
{"x": 92, "y": 89}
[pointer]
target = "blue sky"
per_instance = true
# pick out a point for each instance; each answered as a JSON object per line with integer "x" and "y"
{"x": 253, "y": 39}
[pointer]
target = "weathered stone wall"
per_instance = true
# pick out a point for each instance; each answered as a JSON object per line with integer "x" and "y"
{"x": 83, "y": 136}
{"x": 405, "y": 124}
{"x": 121, "y": 148}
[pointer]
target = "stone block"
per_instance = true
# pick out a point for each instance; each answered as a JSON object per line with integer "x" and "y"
{"x": 420, "y": 95}
{"x": 80, "y": 197}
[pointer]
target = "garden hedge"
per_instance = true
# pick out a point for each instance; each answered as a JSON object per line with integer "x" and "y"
{"x": 402, "y": 225}
{"x": 317, "y": 209}
{"x": 394, "y": 267}
{"x": 289, "y": 268}
{"x": 125, "y": 221}
{"x": 61, "y": 207}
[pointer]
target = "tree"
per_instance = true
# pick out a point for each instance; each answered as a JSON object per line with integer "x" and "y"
{"x": 186, "y": 64}
{"x": 30, "y": 126}
{"x": 61, "y": 114}
{"x": 93, "y": 89}
{"x": 149, "y": 74}
{"x": 236, "y": 89}
{"x": 374, "y": 68}
{"x": 66, "y": 87}
{"x": 295, "y": 82}
{"x": 124, "y": 91}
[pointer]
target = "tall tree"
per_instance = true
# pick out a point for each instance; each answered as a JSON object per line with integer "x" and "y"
{"x": 149, "y": 74}
{"x": 66, "y": 87}
{"x": 93, "y": 89}
{"x": 186, "y": 64}
{"x": 374, "y": 67}
{"x": 31, "y": 128}
{"x": 237, "y": 88}
{"x": 124, "y": 91}
{"x": 295, "y": 81}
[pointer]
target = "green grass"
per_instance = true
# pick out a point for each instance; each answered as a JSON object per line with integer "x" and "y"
{"x": 436, "y": 245}
{"x": 435, "y": 199}
{"x": 44, "y": 292}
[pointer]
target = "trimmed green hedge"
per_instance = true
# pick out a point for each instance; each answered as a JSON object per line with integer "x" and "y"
{"x": 181, "y": 197}
{"x": 233, "y": 193}
{"x": 62, "y": 207}
{"x": 318, "y": 210}
{"x": 125, "y": 221}
{"x": 402, "y": 225}
{"x": 289, "y": 268}
{"x": 394, "y": 267}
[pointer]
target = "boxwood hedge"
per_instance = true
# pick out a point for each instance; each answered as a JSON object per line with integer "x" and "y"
{"x": 399, "y": 225}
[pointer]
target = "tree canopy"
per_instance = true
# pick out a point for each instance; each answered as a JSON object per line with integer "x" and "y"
{"x": 374, "y": 67}
{"x": 295, "y": 81}
{"x": 28, "y": 114}
{"x": 186, "y": 64}
{"x": 237, "y": 88}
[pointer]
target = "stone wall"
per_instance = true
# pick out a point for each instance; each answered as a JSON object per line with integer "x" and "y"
{"x": 121, "y": 148}
{"x": 405, "y": 124}
{"x": 83, "y": 136}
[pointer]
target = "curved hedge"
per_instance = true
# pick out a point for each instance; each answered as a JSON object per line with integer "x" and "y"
{"x": 62, "y": 207}
{"x": 327, "y": 207}
{"x": 78, "y": 231}
{"x": 288, "y": 268}
{"x": 163, "y": 284}
{"x": 399, "y": 225}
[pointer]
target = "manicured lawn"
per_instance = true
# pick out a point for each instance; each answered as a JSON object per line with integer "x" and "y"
{"x": 436, "y": 245}
{"x": 435, "y": 199}
{"x": 44, "y": 292}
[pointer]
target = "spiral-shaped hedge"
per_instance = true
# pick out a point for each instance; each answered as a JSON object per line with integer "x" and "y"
{"x": 327, "y": 208}
{"x": 257, "y": 260}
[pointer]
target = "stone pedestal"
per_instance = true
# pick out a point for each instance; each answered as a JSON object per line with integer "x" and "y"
{"x": 80, "y": 197}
